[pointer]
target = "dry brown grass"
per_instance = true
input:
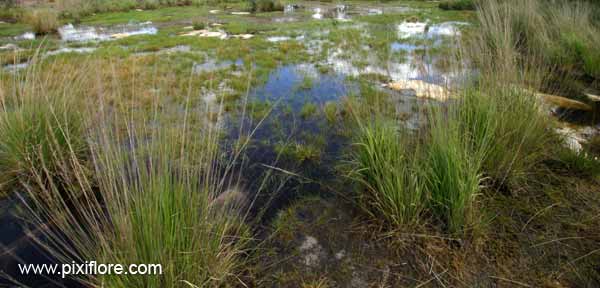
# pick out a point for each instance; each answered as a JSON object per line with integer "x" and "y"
{"x": 43, "y": 21}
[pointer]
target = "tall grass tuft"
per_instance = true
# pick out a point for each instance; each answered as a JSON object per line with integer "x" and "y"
{"x": 454, "y": 161}
{"x": 457, "y": 5}
{"x": 152, "y": 196}
{"x": 36, "y": 124}
{"x": 388, "y": 168}
{"x": 510, "y": 50}
{"x": 546, "y": 45}
{"x": 265, "y": 5}
{"x": 43, "y": 21}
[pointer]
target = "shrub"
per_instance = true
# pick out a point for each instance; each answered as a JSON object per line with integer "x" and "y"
{"x": 43, "y": 21}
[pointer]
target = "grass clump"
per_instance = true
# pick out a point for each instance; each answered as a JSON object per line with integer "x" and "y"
{"x": 32, "y": 134}
{"x": 308, "y": 110}
{"x": 331, "y": 111}
{"x": 552, "y": 42}
{"x": 154, "y": 197}
{"x": 38, "y": 124}
{"x": 198, "y": 23}
{"x": 390, "y": 174}
{"x": 457, "y": 5}
{"x": 170, "y": 220}
{"x": 43, "y": 21}
{"x": 265, "y": 6}
{"x": 299, "y": 152}
{"x": 453, "y": 169}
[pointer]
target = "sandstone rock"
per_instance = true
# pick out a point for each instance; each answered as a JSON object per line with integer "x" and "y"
{"x": 312, "y": 251}
{"x": 422, "y": 89}
{"x": 233, "y": 197}
{"x": 563, "y": 102}
{"x": 243, "y": 36}
{"x": 206, "y": 33}
{"x": 592, "y": 97}
{"x": 571, "y": 139}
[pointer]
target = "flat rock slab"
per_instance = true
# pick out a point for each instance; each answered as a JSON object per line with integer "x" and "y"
{"x": 422, "y": 89}
{"x": 564, "y": 102}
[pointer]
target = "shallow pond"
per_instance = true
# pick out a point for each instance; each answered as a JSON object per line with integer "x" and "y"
{"x": 295, "y": 115}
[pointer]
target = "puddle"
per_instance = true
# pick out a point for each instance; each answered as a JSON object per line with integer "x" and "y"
{"x": 423, "y": 29}
{"x": 287, "y": 91}
{"x": 446, "y": 29}
{"x": 71, "y": 33}
{"x": 26, "y": 36}
{"x": 13, "y": 68}
{"x": 216, "y": 34}
{"x": 410, "y": 29}
{"x": 374, "y": 11}
{"x": 290, "y": 8}
{"x": 9, "y": 46}
{"x": 171, "y": 50}
{"x": 212, "y": 65}
{"x": 398, "y": 46}
{"x": 284, "y": 84}
{"x": 63, "y": 50}
{"x": 278, "y": 38}
{"x": 284, "y": 38}
{"x": 17, "y": 247}
{"x": 414, "y": 68}
{"x": 317, "y": 13}
{"x": 339, "y": 12}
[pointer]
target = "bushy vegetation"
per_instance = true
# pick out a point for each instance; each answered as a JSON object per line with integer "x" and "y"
{"x": 454, "y": 170}
{"x": 147, "y": 195}
{"x": 43, "y": 21}
{"x": 390, "y": 170}
{"x": 37, "y": 125}
{"x": 8, "y": 10}
{"x": 553, "y": 42}
{"x": 265, "y": 6}
{"x": 80, "y": 8}
{"x": 457, "y": 5}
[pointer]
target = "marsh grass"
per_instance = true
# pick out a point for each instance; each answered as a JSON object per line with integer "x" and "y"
{"x": 457, "y": 5}
{"x": 546, "y": 45}
{"x": 37, "y": 123}
{"x": 42, "y": 21}
{"x": 148, "y": 194}
{"x": 389, "y": 170}
{"x": 454, "y": 166}
{"x": 80, "y": 8}
{"x": 265, "y": 6}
